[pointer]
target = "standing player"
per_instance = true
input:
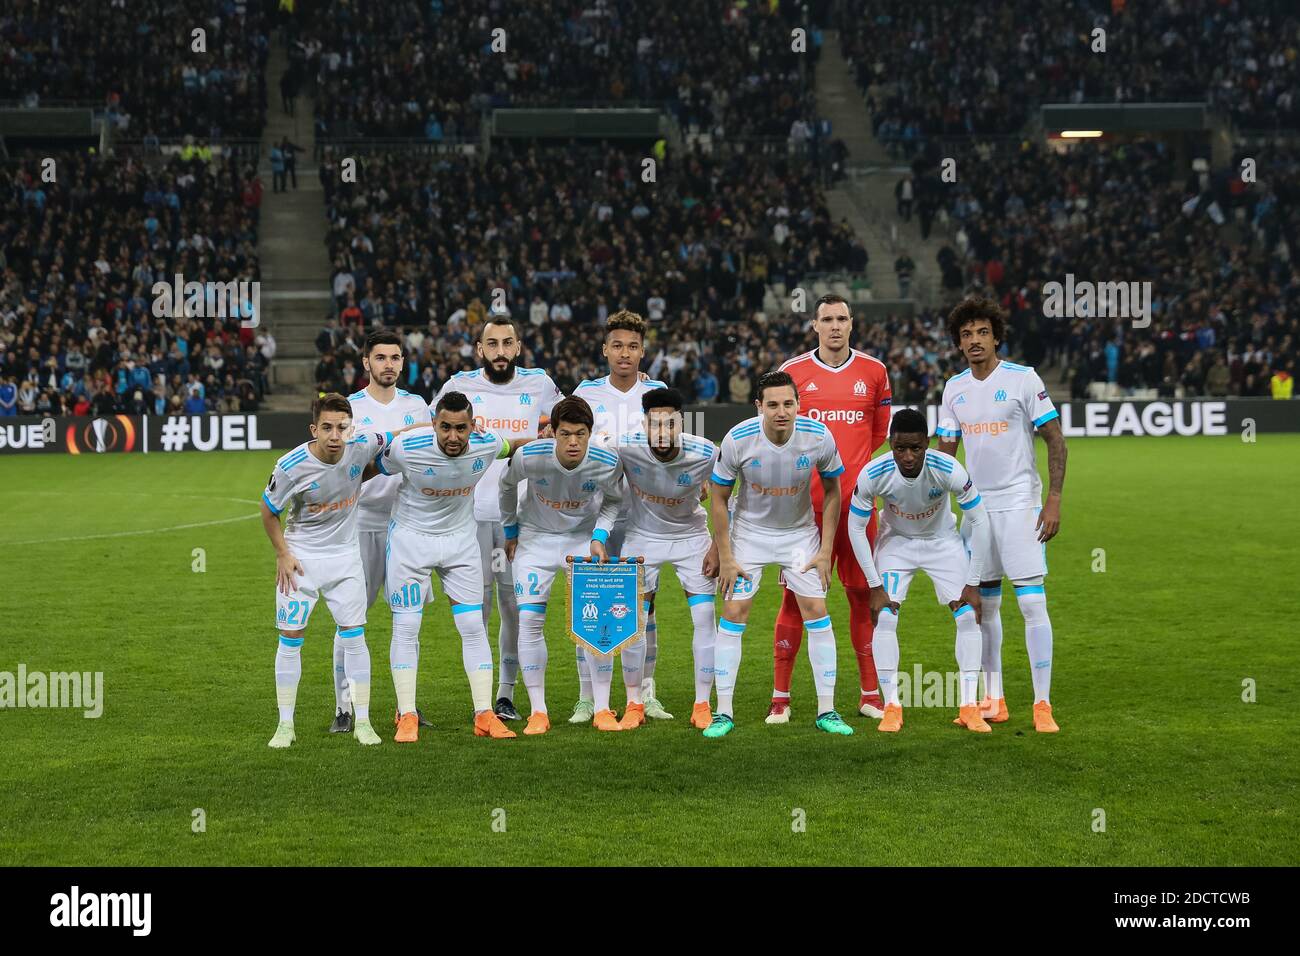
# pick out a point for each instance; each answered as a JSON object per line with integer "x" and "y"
{"x": 995, "y": 407}
{"x": 380, "y": 405}
{"x": 615, "y": 401}
{"x": 667, "y": 474}
{"x": 514, "y": 403}
{"x": 433, "y": 529}
{"x": 317, "y": 554}
{"x": 848, "y": 392}
{"x": 918, "y": 534}
{"x": 573, "y": 497}
{"x": 774, "y": 455}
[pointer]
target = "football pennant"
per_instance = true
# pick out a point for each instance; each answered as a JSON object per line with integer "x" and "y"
{"x": 605, "y": 604}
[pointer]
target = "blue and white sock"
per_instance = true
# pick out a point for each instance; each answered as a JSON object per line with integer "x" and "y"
{"x": 968, "y": 649}
{"x": 1038, "y": 637}
{"x": 821, "y": 655}
{"x": 703, "y": 643}
{"x": 356, "y": 666}
{"x": 475, "y": 653}
{"x": 288, "y": 671}
{"x": 726, "y": 662}
{"x": 884, "y": 648}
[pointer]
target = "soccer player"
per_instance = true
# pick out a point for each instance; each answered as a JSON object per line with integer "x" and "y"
{"x": 774, "y": 455}
{"x": 433, "y": 529}
{"x": 667, "y": 472}
{"x": 514, "y": 403}
{"x": 918, "y": 534}
{"x": 995, "y": 407}
{"x": 615, "y": 401}
{"x": 318, "y": 556}
{"x": 848, "y": 392}
{"x": 573, "y": 498}
{"x": 380, "y": 405}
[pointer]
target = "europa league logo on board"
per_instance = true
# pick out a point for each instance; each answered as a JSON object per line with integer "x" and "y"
{"x": 101, "y": 435}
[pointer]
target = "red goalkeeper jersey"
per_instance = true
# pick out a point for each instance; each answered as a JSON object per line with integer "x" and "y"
{"x": 853, "y": 401}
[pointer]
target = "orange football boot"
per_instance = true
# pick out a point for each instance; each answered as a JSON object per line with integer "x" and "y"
{"x": 1043, "y": 722}
{"x": 701, "y": 715}
{"x": 970, "y": 718}
{"x": 538, "y": 723}
{"x": 994, "y": 711}
{"x": 488, "y": 724}
{"x": 633, "y": 717}
{"x": 892, "y": 722}
{"x": 408, "y": 729}
{"x": 606, "y": 720}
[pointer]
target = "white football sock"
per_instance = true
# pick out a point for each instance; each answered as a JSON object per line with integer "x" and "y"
{"x": 991, "y": 640}
{"x": 884, "y": 648}
{"x": 475, "y": 653}
{"x": 633, "y": 669}
{"x": 651, "y": 647}
{"x": 532, "y": 653}
{"x": 288, "y": 671}
{"x": 404, "y": 657}
{"x": 726, "y": 662}
{"x": 507, "y": 637}
{"x": 968, "y": 649}
{"x": 356, "y": 664}
{"x": 703, "y": 643}
{"x": 1038, "y": 637}
{"x": 342, "y": 699}
{"x": 584, "y": 675}
{"x": 602, "y": 679}
{"x": 821, "y": 655}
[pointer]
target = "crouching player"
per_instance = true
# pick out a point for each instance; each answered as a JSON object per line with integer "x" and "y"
{"x": 918, "y": 534}
{"x": 318, "y": 555}
{"x": 573, "y": 499}
{"x": 774, "y": 455}
{"x": 667, "y": 473}
{"x": 433, "y": 529}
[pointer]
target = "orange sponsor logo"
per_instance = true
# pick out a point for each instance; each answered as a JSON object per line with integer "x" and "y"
{"x": 567, "y": 504}
{"x": 446, "y": 492}
{"x": 920, "y": 516}
{"x": 343, "y": 505}
{"x": 657, "y": 499}
{"x": 779, "y": 491}
{"x": 984, "y": 428}
{"x": 511, "y": 426}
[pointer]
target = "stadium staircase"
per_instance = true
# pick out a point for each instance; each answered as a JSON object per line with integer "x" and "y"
{"x": 295, "y": 261}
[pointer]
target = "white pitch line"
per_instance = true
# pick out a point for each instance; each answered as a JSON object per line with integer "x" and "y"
{"x": 133, "y": 534}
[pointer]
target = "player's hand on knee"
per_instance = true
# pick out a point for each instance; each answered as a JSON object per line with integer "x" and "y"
{"x": 823, "y": 565}
{"x": 877, "y": 601}
{"x": 970, "y": 594}
{"x": 511, "y": 546}
{"x": 287, "y": 568}
{"x": 710, "y": 565}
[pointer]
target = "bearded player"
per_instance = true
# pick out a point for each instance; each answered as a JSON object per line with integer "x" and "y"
{"x": 615, "y": 401}
{"x": 848, "y": 392}
{"x": 995, "y": 407}
{"x": 380, "y": 406}
{"x": 514, "y": 403}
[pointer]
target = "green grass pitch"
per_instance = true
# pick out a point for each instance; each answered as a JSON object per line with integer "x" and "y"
{"x": 1200, "y": 562}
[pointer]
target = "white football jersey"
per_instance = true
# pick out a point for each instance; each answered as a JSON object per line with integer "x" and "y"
{"x": 512, "y": 410}
{"x": 559, "y": 500}
{"x": 616, "y": 413}
{"x": 664, "y": 497}
{"x": 996, "y": 419}
{"x": 380, "y": 492}
{"x": 437, "y": 492}
{"x": 914, "y": 507}
{"x": 321, "y": 500}
{"x": 774, "y": 479}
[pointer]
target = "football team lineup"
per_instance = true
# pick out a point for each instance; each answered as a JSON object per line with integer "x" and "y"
{"x": 390, "y": 492}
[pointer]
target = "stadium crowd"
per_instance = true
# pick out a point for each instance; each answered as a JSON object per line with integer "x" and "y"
{"x": 929, "y": 68}
{"x": 424, "y": 244}
{"x": 1216, "y": 250}
{"x": 427, "y": 70}
{"x": 78, "y": 261}
{"x": 132, "y": 60}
